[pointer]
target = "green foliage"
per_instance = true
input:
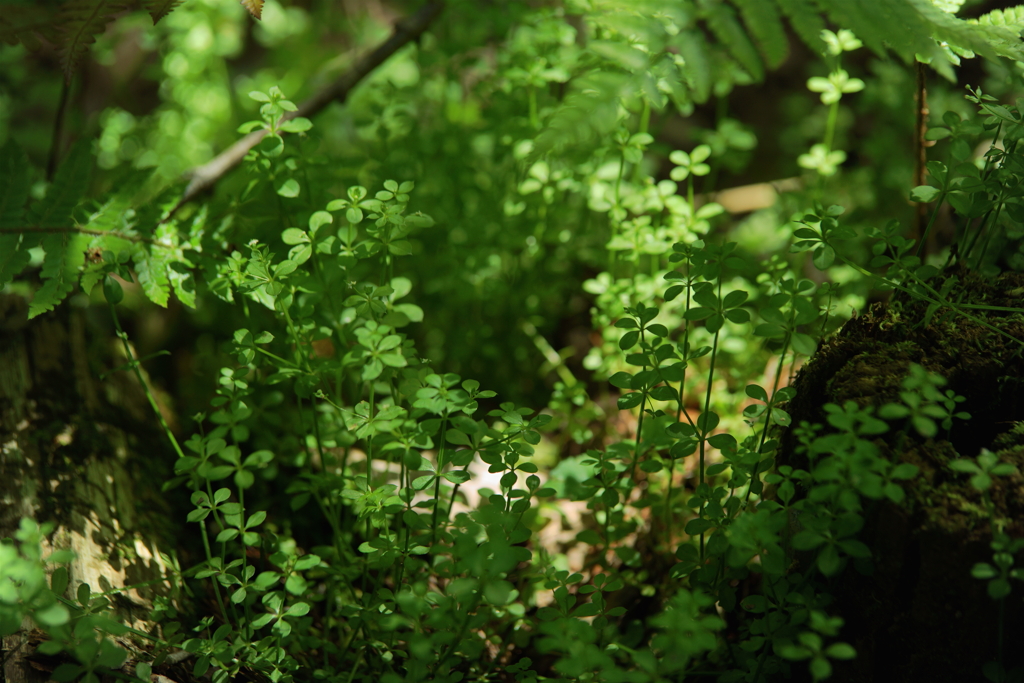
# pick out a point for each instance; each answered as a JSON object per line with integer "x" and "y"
{"x": 365, "y": 512}
{"x": 77, "y": 23}
{"x": 14, "y": 184}
{"x": 23, "y": 589}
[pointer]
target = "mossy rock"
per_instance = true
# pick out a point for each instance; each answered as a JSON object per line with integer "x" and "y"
{"x": 916, "y": 613}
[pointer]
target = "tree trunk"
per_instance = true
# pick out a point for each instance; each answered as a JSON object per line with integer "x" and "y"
{"x": 916, "y": 613}
{"x": 87, "y": 456}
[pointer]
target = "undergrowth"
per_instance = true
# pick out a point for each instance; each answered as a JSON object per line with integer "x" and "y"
{"x": 429, "y": 493}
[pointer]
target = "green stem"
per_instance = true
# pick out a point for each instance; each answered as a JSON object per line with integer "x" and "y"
{"x": 534, "y": 118}
{"x": 209, "y": 556}
{"x": 639, "y": 425}
{"x": 830, "y": 127}
{"x": 170, "y": 435}
{"x": 702, "y": 434}
{"x": 680, "y": 412}
{"x": 437, "y": 478}
{"x": 768, "y": 412}
{"x": 931, "y": 222}
{"x": 142, "y": 380}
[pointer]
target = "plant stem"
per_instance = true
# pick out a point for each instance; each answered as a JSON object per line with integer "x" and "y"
{"x": 437, "y": 478}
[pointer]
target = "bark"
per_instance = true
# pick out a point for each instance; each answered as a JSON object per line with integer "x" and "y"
{"x": 915, "y": 612}
{"x": 85, "y": 455}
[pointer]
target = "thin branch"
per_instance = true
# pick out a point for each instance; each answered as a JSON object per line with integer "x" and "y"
{"x": 407, "y": 30}
{"x": 920, "y": 150}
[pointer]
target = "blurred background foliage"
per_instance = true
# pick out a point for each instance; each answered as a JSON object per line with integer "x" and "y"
{"x": 521, "y": 275}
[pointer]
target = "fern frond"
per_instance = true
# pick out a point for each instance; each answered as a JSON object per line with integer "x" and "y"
{"x": 590, "y": 112}
{"x": 65, "y": 249}
{"x": 670, "y": 82}
{"x": 151, "y": 267}
{"x": 14, "y": 254}
{"x": 14, "y": 189}
{"x": 158, "y": 9}
{"x": 918, "y": 28}
{"x": 15, "y": 179}
{"x": 26, "y": 24}
{"x": 762, "y": 20}
{"x": 255, "y": 7}
{"x": 1002, "y": 29}
{"x": 722, "y": 21}
{"x": 805, "y": 19}
{"x": 696, "y": 63}
{"x": 179, "y": 267}
{"x": 78, "y": 24}
{"x": 1011, "y": 17}
{"x": 949, "y": 29}
{"x": 66, "y": 191}
{"x": 65, "y": 255}
{"x": 890, "y": 25}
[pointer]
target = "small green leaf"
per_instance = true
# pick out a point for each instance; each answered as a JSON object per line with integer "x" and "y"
{"x": 924, "y": 193}
{"x": 297, "y": 125}
{"x": 289, "y": 188}
{"x": 457, "y": 476}
{"x": 297, "y": 236}
{"x": 695, "y": 527}
{"x": 629, "y": 340}
{"x": 112, "y": 290}
{"x": 54, "y": 615}
{"x": 59, "y": 580}
{"x": 841, "y": 651}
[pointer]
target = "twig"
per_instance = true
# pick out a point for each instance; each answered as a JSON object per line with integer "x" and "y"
{"x": 206, "y": 176}
{"x": 920, "y": 150}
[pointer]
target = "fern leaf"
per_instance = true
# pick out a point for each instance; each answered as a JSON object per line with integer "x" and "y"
{"x": 255, "y": 7}
{"x": 64, "y": 194}
{"x": 762, "y": 20}
{"x": 26, "y": 25}
{"x": 671, "y": 81}
{"x": 948, "y": 6}
{"x": 65, "y": 249}
{"x": 114, "y": 209}
{"x": 696, "y": 63}
{"x": 183, "y": 284}
{"x": 1002, "y": 30}
{"x": 882, "y": 25}
{"x": 14, "y": 255}
{"x": 78, "y": 23}
{"x": 110, "y": 215}
{"x": 589, "y": 112}
{"x": 945, "y": 27}
{"x": 15, "y": 177}
{"x": 14, "y": 188}
{"x": 151, "y": 271}
{"x": 1011, "y": 17}
{"x": 158, "y": 9}
{"x": 65, "y": 254}
{"x": 806, "y": 21}
{"x": 722, "y": 21}
{"x": 180, "y": 272}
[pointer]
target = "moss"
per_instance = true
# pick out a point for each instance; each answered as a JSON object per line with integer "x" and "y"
{"x": 920, "y": 597}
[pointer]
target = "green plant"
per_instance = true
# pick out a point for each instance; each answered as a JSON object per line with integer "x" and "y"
{"x": 998, "y": 574}
{"x": 367, "y": 513}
